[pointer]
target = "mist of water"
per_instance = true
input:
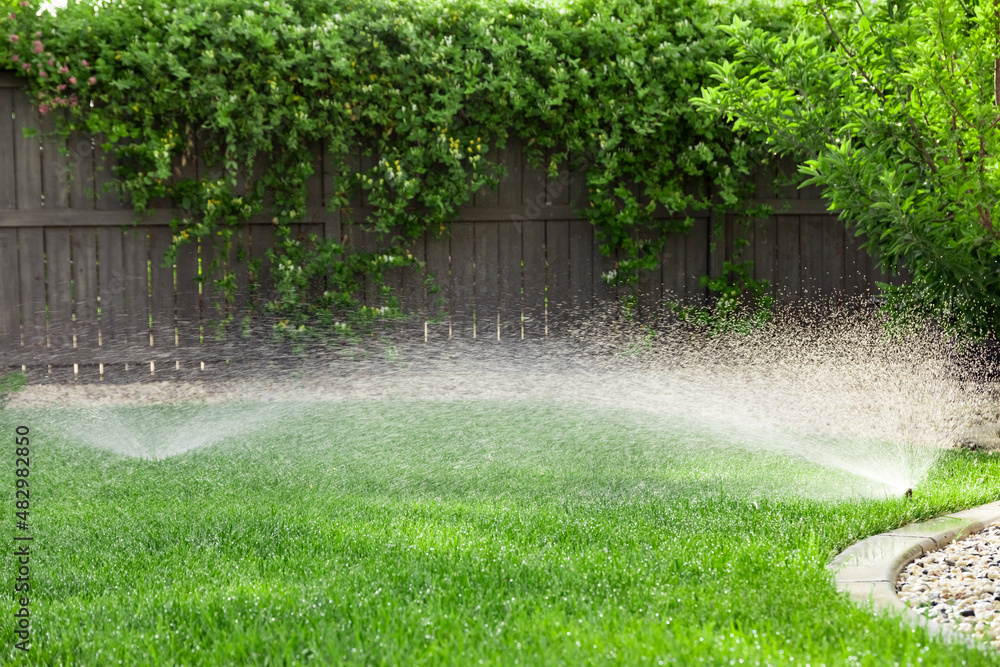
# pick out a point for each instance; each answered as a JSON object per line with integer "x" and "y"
{"x": 833, "y": 391}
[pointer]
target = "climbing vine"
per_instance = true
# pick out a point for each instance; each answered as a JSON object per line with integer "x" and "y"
{"x": 426, "y": 87}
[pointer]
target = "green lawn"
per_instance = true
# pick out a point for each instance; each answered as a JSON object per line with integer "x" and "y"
{"x": 466, "y": 533}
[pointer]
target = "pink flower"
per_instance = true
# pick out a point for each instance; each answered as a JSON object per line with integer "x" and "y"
{"x": 24, "y": 3}
{"x": 38, "y": 34}
{"x": 61, "y": 86}
{"x": 63, "y": 69}
{"x": 25, "y": 65}
{"x": 92, "y": 80}
{"x": 59, "y": 100}
{"x": 51, "y": 62}
{"x": 42, "y": 73}
{"x": 37, "y": 46}
{"x": 15, "y": 57}
{"x": 13, "y": 16}
{"x": 43, "y": 108}
{"x": 72, "y": 100}
{"x": 72, "y": 80}
{"x": 85, "y": 63}
{"x": 14, "y": 38}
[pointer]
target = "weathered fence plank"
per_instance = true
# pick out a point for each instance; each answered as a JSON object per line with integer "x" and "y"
{"x": 765, "y": 249}
{"x": 84, "y": 242}
{"x": 696, "y": 261}
{"x": 856, "y": 277}
{"x": 462, "y": 279}
{"x": 213, "y": 300}
{"x": 811, "y": 254}
{"x": 27, "y": 157}
{"x": 674, "y": 271}
{"x": 105, "y": 197}
{"x": 532, "y": 188}
{"x": 509, "y": 279}
{"x": 136, "y": 277}
{"x": 486, "y": 281}
{"x": 162, "y": 287}
{"x": 261, "y": 240}
{"x": 650, "y": 285}
{"x": 31, "y": 275}
{"x": 509, "y": 190}
{"x": 603, "y": 293}
{"x": 188, "y": 298}
{"x": 581, "y": 270}
{"x": 438, "y": 270}
{"x": 787, "y": 276}
{"x": 533, "y": 275}
{"x": 57, "y": 283}
{"x": 413, "y": 298}
{"x": 237, "y": 262}
{"x": 8, "y": 160}
{"x": 833, "y": 258}
{"x": 10, "y": 316}
{"x": 55, "y": 171}
{"x": 110, "y": 285}
{"x": 81, "y": 170}
{"x": 557, "y": 291}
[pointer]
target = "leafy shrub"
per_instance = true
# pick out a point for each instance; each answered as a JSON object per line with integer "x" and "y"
{"x": 428, "y": 87}
{"x": 893, "y": 108}
{"x": 741, "y": 304}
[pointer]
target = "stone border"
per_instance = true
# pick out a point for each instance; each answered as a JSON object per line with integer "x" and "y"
{"x": 867, "y": 571}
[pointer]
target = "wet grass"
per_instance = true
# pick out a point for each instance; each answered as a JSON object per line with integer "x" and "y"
{"x": 460, "y": 533}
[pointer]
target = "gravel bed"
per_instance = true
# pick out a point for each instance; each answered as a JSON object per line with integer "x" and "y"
{"x": 957, "y": 586}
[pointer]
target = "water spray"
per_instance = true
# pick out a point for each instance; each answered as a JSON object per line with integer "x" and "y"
{"x": 830, "y": 390}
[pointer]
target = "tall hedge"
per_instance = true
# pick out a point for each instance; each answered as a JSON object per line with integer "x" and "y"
{"x": 429, "y": 86}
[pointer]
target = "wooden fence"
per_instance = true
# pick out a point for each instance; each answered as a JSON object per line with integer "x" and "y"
{"x": 83, "y": 292}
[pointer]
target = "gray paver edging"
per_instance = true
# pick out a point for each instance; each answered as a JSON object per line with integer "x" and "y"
{"x": 867, "y": 571}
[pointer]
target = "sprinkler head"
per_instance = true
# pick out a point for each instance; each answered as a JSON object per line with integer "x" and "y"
{"x": 909, "y": 493}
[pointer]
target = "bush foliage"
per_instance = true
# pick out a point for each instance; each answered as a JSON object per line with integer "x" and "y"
{"x": 894, "y": 109}
{"x": 429, "y": 88}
